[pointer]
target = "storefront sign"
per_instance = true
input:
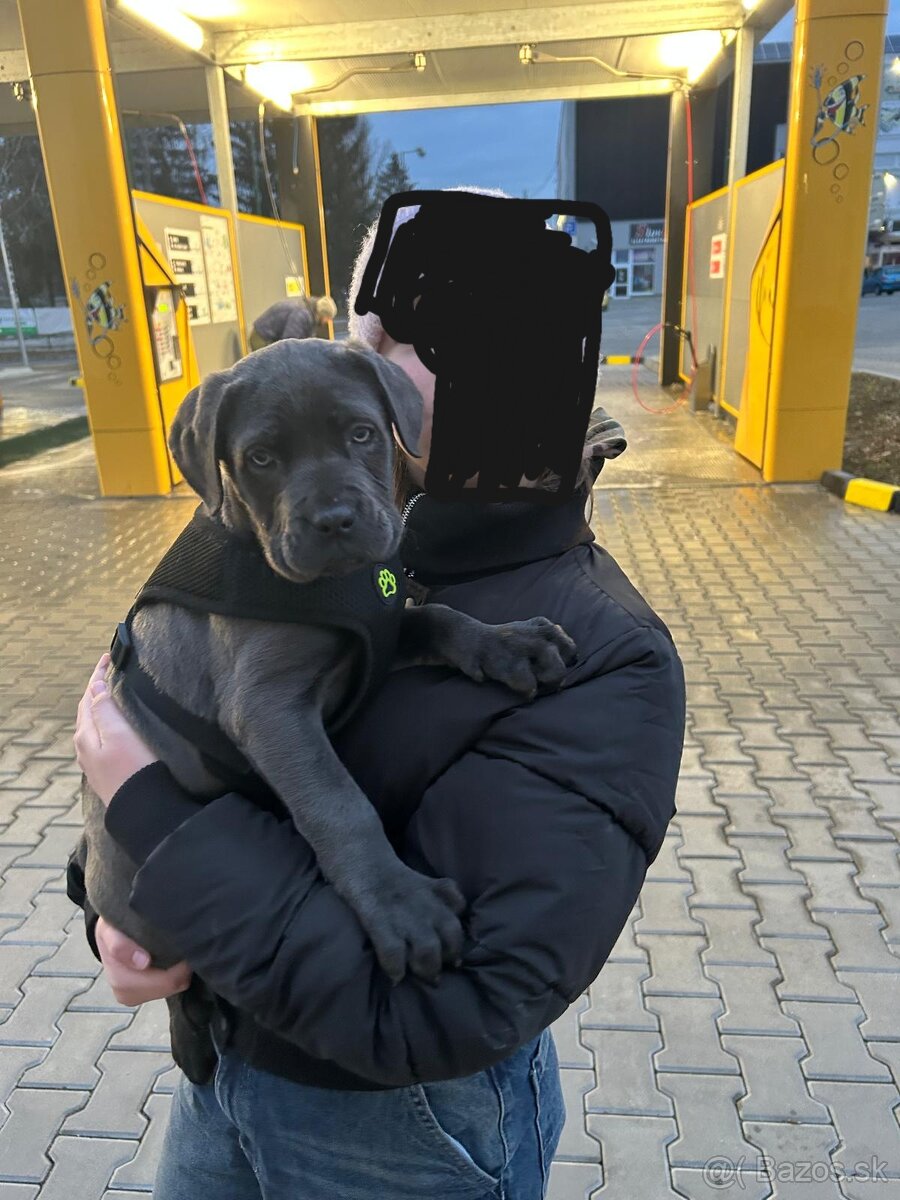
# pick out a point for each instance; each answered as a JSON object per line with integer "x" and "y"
{"x": 647, "y": 233}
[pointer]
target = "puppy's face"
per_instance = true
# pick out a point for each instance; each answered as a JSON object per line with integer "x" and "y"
{"x": 303, "y": 449}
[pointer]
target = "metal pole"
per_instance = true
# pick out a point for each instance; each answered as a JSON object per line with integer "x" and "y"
{"x": 740, "y": 103}
{"x": 13, "y": 298}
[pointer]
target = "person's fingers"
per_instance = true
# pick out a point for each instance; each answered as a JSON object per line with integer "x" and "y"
{"x": 120, "y": 948}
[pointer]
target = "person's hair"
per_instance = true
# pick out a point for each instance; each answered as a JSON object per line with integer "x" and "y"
{"x": 326, "y": 309}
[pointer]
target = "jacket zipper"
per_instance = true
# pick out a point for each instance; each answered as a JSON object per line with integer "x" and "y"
{"x": 404, "y": 516}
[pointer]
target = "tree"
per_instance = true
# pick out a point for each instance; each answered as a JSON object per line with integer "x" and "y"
{"x": 28, "y": 223}
{"x": 159, "y": 159}
{"x": 392, "y": 177}
{"x": 345, "y": 154}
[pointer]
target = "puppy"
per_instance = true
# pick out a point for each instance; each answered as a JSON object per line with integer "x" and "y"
{"x": 239, "y": 656}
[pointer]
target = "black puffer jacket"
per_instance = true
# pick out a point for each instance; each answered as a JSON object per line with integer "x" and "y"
{"x": 546, "y": 814}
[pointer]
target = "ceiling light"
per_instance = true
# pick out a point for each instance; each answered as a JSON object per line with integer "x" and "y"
{"x": 890, "y": 180}
{"x": 420, "y": 62}
{"x": 895, "y": 65}
{"x": 693, "y": 52}
{"x": 278, "y": 81}
{"x": 526, "y": 54}
{"x": 168, "y": 19}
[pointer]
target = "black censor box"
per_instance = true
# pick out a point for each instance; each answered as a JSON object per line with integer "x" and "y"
{"x": 506, "y": 313}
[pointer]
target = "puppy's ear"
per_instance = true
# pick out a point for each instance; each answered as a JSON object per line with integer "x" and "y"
{"x": 401, "y": 398}
{"x": 196, "y": 440}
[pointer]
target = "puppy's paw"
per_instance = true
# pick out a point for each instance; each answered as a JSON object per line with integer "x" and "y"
{"x": 522, "y": 654}
{"x": 413, "y": 924}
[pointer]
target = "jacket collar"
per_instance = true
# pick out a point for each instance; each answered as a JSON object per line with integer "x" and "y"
{"x": 456, "y": 540}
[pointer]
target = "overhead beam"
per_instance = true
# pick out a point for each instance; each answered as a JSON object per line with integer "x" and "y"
{"x": 597, "y": 91}
{"x": 466, "y": 30}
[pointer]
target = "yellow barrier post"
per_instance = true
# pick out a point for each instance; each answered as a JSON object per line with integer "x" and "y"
{"x": 78, "y": 122}
{"x": 832, "y": 124}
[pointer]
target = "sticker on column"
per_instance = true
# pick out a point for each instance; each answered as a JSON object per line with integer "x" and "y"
{"x": 717, "y": 255}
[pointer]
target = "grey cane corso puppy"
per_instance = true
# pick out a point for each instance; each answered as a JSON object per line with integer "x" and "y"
{"x": 293, "y": 447}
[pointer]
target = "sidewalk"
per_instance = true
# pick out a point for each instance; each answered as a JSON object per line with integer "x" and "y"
{"x": 750, "y": 1008}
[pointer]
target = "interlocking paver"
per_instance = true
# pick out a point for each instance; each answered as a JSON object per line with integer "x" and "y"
{"x": 616, "y": 999}
{"x": 716, "y": 883}
{"x": 634, "y": 1153}
{"x": 114, "y": 1109}
{"x": 733, "y": 938}
{"x": 812, "y": 838}
{"x": 797, "y": 1158}
{"x": 138, "y": 1173}
{"x": 690, "y": 1037}
{"x": 71, "y": 1062}
{"x": 665, "y": 909}
{"x": 33, "y": 1020}
{"x": 149, "y": 1028}
{"x": 675, "y": 966}
{"x": 707, "y": 1118}
{"x": 805, "y": 965}
{"x": 832, "y": 888}
{"x": 751, "y": 1005}
{"x": 702, "y": 1185}
{"x": 73, "y": 956}
{"x": 766, "y": 862}
{"x": 575, "y": 1145}
{"x": 784, "y": 910}
{"x": 776, "y": 1089}
{"x": 46, "y": 923}
{"x": 879, "y": 995}
{"x": 20, "y": 886}
{"x": 566, "y": 1034}
{"x": 626, "y": 948}
{"x": 624, "y": 1068}
{"x": 860, "y": 944}
{"x": 98, "y": 998}
{"x": 78, "y": 1174}
{"x": 34, "y": 1117}
{"x": 13, "y": 1061}
{"x": 703, "y": 837}
{"x": 749, "y": 816}
{"x": 877, "y": 862}
{"x": 866, "y": 1122}
{"x": 52, "y": 850}
{"x": 837, "y": 1050}
{"x": 16, "y": 963}
{"x": 666, "y": 867}
{"x": 570, "y": 1181}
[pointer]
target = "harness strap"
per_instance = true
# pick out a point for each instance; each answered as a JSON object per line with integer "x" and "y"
{"x": 219, "y": 753}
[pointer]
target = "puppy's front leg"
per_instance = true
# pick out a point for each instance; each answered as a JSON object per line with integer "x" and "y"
{"x": 410, "y": 919}
{"x": 521, "y": 654}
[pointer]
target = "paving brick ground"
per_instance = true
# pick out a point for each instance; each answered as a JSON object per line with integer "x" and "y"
{"x": 745, "y": 1030}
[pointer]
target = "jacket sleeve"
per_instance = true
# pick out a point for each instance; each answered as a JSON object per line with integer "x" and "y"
{"x": 550, "y": 870}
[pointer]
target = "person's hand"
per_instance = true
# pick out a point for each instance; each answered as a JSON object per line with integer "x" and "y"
{"x": 107, "y": 748}
{"x": 132, "y": 980}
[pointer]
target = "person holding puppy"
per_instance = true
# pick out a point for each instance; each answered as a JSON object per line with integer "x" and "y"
{"x": 331, "y": 1083}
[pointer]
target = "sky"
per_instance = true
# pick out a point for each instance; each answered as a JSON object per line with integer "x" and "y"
{"x": 510, "y": 146}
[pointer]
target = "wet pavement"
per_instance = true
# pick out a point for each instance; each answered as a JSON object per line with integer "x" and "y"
{"x": 744, "y": 1035}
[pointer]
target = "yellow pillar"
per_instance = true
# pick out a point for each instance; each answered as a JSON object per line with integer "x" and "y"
{"x": 832, "y": 125}
{"x": 71, "y": 79}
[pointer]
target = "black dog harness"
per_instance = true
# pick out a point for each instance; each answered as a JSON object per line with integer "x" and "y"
{"x": 208, "y": 569}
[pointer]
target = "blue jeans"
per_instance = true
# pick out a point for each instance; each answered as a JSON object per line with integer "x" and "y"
{"x": 249, "y": 1135}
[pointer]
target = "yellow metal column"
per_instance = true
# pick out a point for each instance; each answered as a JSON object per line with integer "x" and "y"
{"x": 832, "y": 125}
{"x": 78, "y": 122}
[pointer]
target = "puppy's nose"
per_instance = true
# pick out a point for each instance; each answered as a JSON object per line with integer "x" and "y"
{"x": 337, "y": 519}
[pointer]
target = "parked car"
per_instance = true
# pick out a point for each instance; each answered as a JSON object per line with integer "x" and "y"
{"x": 882, "y": 279}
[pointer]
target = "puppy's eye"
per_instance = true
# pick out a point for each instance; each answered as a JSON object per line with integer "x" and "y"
{"x": 362, "y": 433}
{"x": 259, "y": 458}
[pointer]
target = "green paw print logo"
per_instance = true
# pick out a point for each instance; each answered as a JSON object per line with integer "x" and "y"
{"x": 386, "y": 582}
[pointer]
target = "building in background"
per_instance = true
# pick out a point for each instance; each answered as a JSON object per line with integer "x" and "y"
{"x": 613, "y": 152}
